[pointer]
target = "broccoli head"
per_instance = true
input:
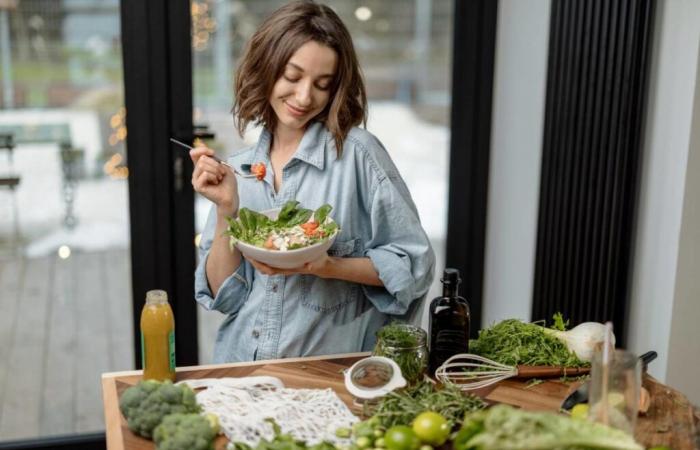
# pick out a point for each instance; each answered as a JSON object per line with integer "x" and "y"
{"x": 145, "y": 404}
{"x": 186, "y": 432}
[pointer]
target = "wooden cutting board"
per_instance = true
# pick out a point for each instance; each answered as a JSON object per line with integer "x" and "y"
{"x": 672, "y": 421}
{"x": 311, "y": 373}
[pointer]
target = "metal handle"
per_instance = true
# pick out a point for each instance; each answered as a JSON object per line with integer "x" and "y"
{"x": 647, "y": 358}
{"x": 548, "y": 371}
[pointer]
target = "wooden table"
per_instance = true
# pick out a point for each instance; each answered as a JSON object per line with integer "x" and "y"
{"x": 671, "y": 421}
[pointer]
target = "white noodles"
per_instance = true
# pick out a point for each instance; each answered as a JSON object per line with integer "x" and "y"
{"x": 243, "y": 404}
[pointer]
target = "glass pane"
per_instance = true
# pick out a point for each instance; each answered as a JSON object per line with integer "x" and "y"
{"x": 405, "y": 53}
{"x": 65, "y": 283}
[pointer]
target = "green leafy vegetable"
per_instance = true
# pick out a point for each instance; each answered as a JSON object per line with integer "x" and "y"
{"x": 254, "y": 228}
{"x": 300, "y": 216}
{"x": 322, "y": 212}
{"x": 559, "y": 323}
{"x": 514, "y": 342}
{"x": 401, "y": 407}
{"x": 504, "y": 427}
{"x": 287, "y": 211}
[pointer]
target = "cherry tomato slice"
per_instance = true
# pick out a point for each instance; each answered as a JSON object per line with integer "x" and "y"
{"x": 259, "y": 170}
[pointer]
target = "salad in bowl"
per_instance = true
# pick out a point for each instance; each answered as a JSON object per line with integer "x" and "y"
{"x": 286, "y": 237}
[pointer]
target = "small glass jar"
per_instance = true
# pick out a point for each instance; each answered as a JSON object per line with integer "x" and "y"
{"x": 406, "y": 345}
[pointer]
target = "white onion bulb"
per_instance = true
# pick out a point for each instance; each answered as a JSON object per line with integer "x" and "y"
{"x": 583, "y": 339}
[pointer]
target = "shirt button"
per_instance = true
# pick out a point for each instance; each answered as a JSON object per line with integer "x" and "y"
{"x": 274, "y": 287}
{"x": 256, "y": 334}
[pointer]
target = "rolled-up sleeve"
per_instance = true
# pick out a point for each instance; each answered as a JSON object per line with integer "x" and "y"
{"x": 399, "y": 248}
{"x": 233, "y": 291}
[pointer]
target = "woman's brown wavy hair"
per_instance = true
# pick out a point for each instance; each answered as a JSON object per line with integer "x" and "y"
{"x": 268, "y": 52}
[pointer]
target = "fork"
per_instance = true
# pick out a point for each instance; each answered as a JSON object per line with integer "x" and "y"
{"x": 215, "y": 158}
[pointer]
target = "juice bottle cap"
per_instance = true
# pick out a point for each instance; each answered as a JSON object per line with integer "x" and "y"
{"x": 156, "y": 297}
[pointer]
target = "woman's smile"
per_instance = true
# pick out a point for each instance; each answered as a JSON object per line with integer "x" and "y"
{"x": 296, "y": 111}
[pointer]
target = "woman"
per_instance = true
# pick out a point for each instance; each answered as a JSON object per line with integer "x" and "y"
{"x": 299, "y": 78}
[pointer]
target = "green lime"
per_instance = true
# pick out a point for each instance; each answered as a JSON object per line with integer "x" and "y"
{"x": 401, "y": 437}
{"x": 363, "y": 442}
{"x": 431, "y": 428}
{"x": 579, "y": 411}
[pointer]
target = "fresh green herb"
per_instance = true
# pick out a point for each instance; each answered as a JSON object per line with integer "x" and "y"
{"x": 567, "y": 379}
{"x": 405, "y": 344}
{"x": 534, "y": 382}
{"x": 514, "y": 342}
{"x": 559, "y": 323}
{"x": 505, "y": 427}
{"x": 401, "y": 407}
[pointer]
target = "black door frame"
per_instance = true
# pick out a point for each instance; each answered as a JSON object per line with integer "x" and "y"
{"x": 158, "y": 97}
{"x": 474, "y": 45}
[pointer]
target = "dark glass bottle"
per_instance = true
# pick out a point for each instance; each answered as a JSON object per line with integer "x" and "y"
{"x": 449, "y": 322}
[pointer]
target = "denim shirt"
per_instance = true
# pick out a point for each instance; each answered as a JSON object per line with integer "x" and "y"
{"x": 301, "y": 315}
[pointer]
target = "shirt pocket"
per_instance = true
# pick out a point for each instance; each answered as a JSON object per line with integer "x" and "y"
{"x": 330, "y": 296}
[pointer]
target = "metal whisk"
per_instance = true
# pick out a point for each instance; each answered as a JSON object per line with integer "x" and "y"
{"x": 472, "y": 372}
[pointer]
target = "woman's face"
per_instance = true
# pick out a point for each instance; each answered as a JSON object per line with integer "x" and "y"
{"x": 303, "y": 90}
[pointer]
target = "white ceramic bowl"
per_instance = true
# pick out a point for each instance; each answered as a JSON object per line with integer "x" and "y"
{"x": 289, "y": 259}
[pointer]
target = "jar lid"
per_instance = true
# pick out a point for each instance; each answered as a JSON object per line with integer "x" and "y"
{"x": 373, "y": 377}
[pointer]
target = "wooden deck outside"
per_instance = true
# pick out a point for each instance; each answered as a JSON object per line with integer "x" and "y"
{"x": 64, "y": 322}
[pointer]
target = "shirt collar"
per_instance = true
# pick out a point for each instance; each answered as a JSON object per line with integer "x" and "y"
{"x": 311, "y": 150}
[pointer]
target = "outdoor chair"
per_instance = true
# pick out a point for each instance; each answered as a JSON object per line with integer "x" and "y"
{"x": 9, "y": 180}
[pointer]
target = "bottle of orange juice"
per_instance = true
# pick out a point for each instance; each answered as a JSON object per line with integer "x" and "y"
{"x": 157, "y": 337}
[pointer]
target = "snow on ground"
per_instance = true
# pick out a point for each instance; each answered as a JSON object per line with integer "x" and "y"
{"x": 420, "y": 151}
{"x": 100, "y": 206}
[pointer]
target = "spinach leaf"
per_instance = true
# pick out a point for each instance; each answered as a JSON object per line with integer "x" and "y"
{"x": 322, "y": 212}
{"x": 287, "y": 212}
{"x": 300, "y": 216}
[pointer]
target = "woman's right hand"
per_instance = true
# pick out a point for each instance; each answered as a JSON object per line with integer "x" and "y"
{"x": 214, "y": 181}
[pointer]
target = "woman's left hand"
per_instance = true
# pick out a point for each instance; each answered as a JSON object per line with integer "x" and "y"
{"x": 317, "y": 267}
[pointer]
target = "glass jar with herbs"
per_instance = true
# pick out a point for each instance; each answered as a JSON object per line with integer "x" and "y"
{"x": 406, "y": 345}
